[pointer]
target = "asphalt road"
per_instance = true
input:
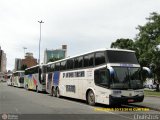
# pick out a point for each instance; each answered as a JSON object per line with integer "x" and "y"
{"x": 17, "y": 103}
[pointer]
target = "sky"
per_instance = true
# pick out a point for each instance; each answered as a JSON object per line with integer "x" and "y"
{"x": 83, "y": 25}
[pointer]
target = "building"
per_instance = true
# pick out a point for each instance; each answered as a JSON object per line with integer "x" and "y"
{"x": 18, "y": 64}
{"x": 28, "y": 61}
{"x": 55, "y": 54}
{"x": 3, "y": 61}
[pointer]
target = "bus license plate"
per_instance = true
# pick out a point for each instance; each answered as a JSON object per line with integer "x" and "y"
{"x": 130, "y": 100}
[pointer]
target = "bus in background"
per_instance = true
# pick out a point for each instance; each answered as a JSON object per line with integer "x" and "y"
{"x": 107, "y": 76}
{"x": 35, "y": 78}
{"x": 18, "y": 79}
{"x": 9, "y": 79}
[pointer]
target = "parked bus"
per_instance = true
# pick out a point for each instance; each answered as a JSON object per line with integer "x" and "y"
{"x": 107, "y": 76}
{"x": 18, "y": 79}
{"x": 35, "y": 78}
{"x": 9, "y": 79}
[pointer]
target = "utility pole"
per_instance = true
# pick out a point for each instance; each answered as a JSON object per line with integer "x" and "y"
{"x": 40, "y": 41}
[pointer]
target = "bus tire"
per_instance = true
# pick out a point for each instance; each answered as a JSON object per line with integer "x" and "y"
{"x": 58, "y": 93}
{"x": 37, "y": 89}
{"x": 26, "y": 87}
{"x": 53, "y": 92}
{"x": 91, "y": 98}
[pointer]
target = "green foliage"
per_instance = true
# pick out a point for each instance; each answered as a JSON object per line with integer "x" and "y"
{"x": 148, "y": 39}
{"x": 123, "y": 44}
{"x": 23, "y": 67}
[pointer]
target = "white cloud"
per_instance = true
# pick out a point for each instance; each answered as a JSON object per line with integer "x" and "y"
{"x": 83, "y": 25}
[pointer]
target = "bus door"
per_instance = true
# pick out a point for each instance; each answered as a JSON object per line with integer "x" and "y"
{"x": 49, "y": 82}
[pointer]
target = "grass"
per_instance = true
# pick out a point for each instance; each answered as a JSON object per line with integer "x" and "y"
{"x": 151, "y": 93}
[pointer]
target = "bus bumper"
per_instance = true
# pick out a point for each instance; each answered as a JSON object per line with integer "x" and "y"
{"x": 124, "y": 100}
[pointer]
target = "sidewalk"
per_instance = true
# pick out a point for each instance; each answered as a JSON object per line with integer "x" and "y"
{"x": 152, "y": 102}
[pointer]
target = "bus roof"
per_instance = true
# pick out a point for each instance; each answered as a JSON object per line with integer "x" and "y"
{"x": 35, "y": 66}
{"x": 18, "y": 71}
{"x": 98, "y": 50}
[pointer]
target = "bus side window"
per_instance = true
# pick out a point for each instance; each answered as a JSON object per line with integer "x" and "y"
{"x": 86, "y": 60}
{"x": 80, "y": 62}
{"x": 75, "y": 62}
{"x": 70, "y": 64}
{"x": 63, "y": 65}
{"x": 101, "y": 77}
{"x": 57, "y": 66}
{"x": 40, "y": 71}
{"x": 99, "y": 58}
{"x": 91, "y": 58}
{"x": 52, "y": 68}
{"x": 96, "y": 76}
{"x": 104, "y": 78}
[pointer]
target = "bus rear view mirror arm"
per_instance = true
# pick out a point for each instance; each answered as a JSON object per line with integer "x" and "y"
{"x": 148, "y": 71}
{"x": 111, "y": 71}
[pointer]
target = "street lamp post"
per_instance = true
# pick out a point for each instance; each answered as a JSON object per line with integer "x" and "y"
{"x": 40, "y": 40}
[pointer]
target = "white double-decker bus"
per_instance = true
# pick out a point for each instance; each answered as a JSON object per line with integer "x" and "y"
{"x": 18, "y": 79}
{"x": 107, "y": 76}
{"x": 34, "y": 78}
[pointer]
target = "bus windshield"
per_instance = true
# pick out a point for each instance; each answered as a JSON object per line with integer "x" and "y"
{"x": 126, "y": 78}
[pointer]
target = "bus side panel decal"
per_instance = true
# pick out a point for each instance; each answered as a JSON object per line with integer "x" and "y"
{"x": 56, "y": 78}
{"x": 34, "y": 81}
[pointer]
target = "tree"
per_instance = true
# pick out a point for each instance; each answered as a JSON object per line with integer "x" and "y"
{"x": 123, "y": 44}
{"x": 23, "y": 67}
{"x": 147, "y": 41}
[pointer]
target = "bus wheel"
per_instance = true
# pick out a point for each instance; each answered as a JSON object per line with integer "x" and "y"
{"x": 91, "y": 98}
{"x": 26, "y": 87}
{"x": 53, "y": 92}
{"x": 57, "y": 92}
{"x": 37, "y": 89}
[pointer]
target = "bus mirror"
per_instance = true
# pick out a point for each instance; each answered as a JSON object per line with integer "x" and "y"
{"x": 147, "y": 71}
{"x": 111, "y": 71}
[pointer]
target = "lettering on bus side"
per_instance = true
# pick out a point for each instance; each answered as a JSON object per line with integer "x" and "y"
{"x": 73, "y": 74}
{"x": 70, "y": 88}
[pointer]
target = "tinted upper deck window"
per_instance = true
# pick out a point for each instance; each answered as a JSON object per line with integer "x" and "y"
{"x": 99, "y": 58}
{"x": 121, "y": 57}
